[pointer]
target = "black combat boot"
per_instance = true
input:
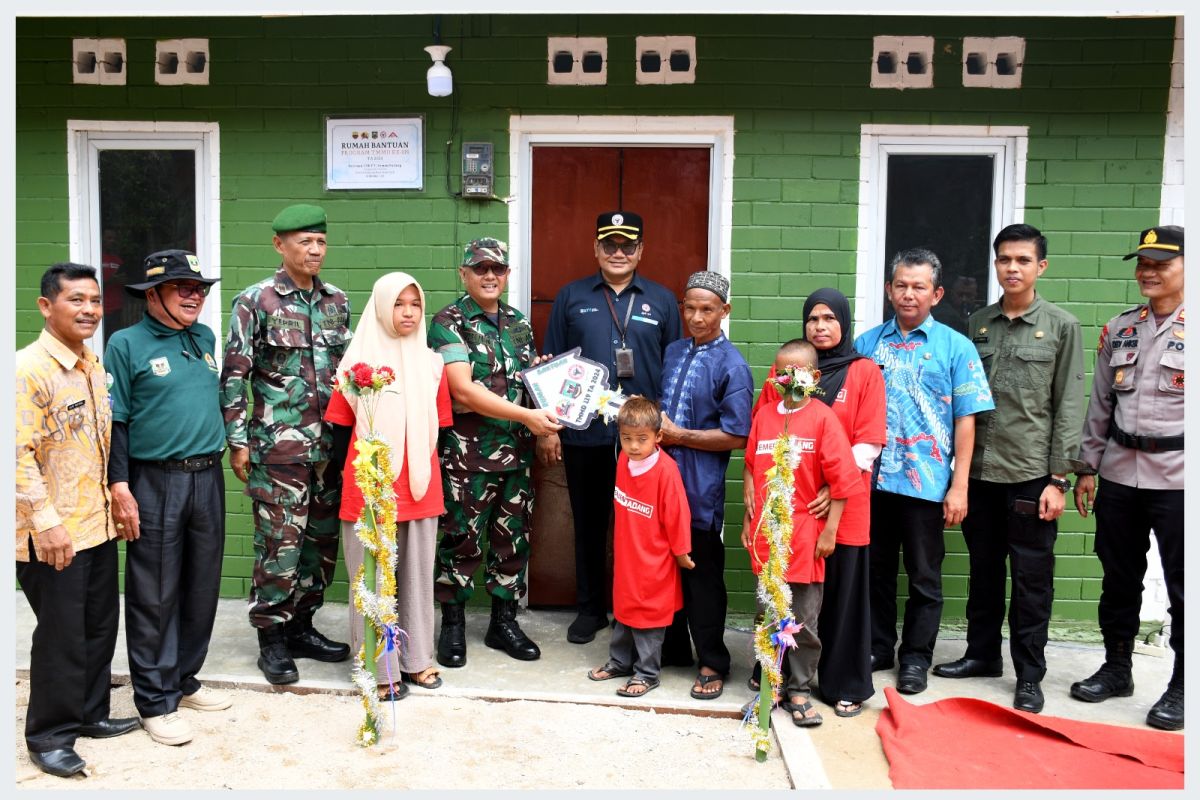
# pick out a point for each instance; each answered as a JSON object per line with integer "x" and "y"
{"x": 273, "y": 659}
{"x": 304, "y": 641}
{"x": 452, "y": 642}
{"x": 1167, "y": 713}
{"x": 505, "y": 634}
{"x": 1113, "y": 679}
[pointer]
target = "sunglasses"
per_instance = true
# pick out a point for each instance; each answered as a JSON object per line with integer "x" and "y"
{"x": 499, "y": 270}
{"x": 610, "y": 248}
{"x": 191, "y": 289}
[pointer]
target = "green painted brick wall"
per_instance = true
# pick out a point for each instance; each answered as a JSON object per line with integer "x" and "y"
{"x": 1094, "y": 97}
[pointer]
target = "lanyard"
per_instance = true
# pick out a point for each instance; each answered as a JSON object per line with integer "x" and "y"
{"x": 612, "y": 310}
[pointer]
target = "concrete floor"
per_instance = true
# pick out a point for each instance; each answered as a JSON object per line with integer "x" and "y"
{"x": 843, "y": 753}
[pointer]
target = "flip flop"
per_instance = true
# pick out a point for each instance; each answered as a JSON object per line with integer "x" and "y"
{"x": 845, "y": 708}
{"x": 636, "y": 681}
{"x": 432, "y": 681}
{"x": 705, "y": 680}
{"x": 801, "y": 708}
{"x": 613, "y": 671}
{"x": 396, "y": 691}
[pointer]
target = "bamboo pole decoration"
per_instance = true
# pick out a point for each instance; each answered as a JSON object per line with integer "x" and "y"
{"x": 374, "y": 585}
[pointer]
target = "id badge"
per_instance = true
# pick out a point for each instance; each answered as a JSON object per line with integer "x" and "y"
{"x": 624, "y": 362}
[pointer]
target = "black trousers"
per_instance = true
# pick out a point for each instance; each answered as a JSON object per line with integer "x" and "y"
{"x": 995, "y": 533}
{"x": 1124, "y": 518}
{"x": 844, "y": 671}
{"x": 898, "y": 520}
{"x": 704, "y": 602}
{"x": 591, "y": 479}
{"x": 172, "y": 581}
{"x": 70, "y": 662}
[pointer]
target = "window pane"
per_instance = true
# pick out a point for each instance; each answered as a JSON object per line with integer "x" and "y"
{"x": 944, "y": 203}
{"x": 147, "y": 203}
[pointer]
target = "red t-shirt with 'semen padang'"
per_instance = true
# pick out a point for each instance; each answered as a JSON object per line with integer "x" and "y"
{"x": 824, "y": 458}
{"x": 431, "y": 505}
{"x": 861, "y": 407}
{"x": 652, "y": 525}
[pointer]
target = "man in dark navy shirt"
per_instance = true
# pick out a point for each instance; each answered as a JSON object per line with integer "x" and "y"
{"x": 624, "y": 321}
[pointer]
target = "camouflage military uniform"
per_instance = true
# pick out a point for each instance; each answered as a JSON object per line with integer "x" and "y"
{"x": 288, "y": 345}
{"x": 485, "y": 461}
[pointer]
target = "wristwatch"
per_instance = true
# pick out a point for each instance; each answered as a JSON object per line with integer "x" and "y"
{"x": 1062, "y": 484}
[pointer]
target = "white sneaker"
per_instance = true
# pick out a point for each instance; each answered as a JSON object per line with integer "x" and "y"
{"x": 168, "y": 729}
{"x": 206, "y": 699}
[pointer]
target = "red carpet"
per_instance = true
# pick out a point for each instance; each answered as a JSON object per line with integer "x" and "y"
{"x": 962, "y": 743}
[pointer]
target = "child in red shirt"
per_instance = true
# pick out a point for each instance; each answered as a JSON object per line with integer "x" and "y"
{"x": 822, "y": 456}
{"x": 652, "y": 539}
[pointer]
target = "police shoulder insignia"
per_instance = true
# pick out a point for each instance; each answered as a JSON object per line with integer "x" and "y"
{"x": 160, "y": 366}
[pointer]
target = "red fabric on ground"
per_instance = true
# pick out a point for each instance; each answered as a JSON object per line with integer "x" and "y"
{"x": 963, "y": 743}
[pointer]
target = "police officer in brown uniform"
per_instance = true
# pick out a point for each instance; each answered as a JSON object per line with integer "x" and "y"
{"x": 1133, "y": 437}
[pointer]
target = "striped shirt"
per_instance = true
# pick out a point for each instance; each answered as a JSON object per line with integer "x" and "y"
{"x": 64, "y": 422}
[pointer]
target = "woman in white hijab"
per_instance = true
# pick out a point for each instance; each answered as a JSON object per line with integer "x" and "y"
{"x": 391, "y": 332}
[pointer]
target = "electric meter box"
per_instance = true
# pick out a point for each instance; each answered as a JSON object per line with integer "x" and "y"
{"x": 477, "y": 169}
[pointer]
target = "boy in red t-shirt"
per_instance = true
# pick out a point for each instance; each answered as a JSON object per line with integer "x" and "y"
{"x": 652, "y": 539}
{"x": 822, "y": 455}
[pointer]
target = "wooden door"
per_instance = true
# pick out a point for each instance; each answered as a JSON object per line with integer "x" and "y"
{"x": 669, "y": 187}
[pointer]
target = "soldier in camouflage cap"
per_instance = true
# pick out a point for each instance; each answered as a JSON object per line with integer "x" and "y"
{"x": 286, "y": 336}
{"x": 486, "y": 455}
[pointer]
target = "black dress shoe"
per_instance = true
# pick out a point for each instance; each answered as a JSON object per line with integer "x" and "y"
{"x": 912, "y": 679}
{"x": 970, "y": 668}
{"x": 1029, "y": 697}
{"x": 584, "y": 628}
{"x": 881, "y": 662}
{"x": 62, "y": 763}
{"x": 107, "y": 728}
{"x": 273, "y": 658}
{"x": 1167, "y": 713}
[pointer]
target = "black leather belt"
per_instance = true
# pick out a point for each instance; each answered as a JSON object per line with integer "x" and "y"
{"x": 192, "y": 464}
{"x": 1148, "y": 444}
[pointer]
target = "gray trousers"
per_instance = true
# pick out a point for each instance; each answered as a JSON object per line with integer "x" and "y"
{"x": 804, "y": 657}
{"x": 640, "y": 648}
{"x": 416, "y": 541}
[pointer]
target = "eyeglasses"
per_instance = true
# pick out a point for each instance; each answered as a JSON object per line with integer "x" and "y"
{"x": 191, "y": 289}
{"x": 499, "y": 270}
{"x": 611, "y": 248}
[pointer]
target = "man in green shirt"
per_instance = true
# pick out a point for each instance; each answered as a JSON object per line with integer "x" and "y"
{"x": 168, "y": 491}
{"x": 1033, "y": 355}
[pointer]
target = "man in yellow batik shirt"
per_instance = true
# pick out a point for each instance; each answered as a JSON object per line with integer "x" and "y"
{"x": 66, "y": 549}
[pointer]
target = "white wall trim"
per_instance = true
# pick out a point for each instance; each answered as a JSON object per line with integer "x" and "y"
{"x": 1171, "y": 202}
{"x": 526, "y": 131}
{"x": 1008, "y": 143}
{"x": 84, "y": 215}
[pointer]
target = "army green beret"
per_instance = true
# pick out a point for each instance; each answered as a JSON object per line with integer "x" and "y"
{"x": 300, "y": 217}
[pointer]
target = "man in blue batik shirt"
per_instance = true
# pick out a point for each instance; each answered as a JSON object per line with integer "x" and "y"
{"x": 707, "y": 397}
{"x": 625, "y": 321}
{"x": 935, "y": 386}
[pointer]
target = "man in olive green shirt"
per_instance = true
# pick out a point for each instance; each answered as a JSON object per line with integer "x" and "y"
{"x": 1033, "y": 355}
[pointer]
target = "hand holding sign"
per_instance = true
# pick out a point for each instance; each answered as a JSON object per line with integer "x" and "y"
{"x": 575, "y": 387}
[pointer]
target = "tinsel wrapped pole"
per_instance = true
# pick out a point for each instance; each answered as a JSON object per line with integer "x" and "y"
{"x": 373, "y": 586}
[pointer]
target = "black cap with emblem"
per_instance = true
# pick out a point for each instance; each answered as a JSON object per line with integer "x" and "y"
{"x": 1160, "y": 243}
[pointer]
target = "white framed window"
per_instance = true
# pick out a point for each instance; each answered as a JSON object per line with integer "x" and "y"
{"x": 135, "y": 188}
{"x": 991, "y": 188}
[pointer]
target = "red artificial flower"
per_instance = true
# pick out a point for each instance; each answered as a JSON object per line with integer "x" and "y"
{"x": 387, "y": 374}
{"x": 362, "y": 375}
